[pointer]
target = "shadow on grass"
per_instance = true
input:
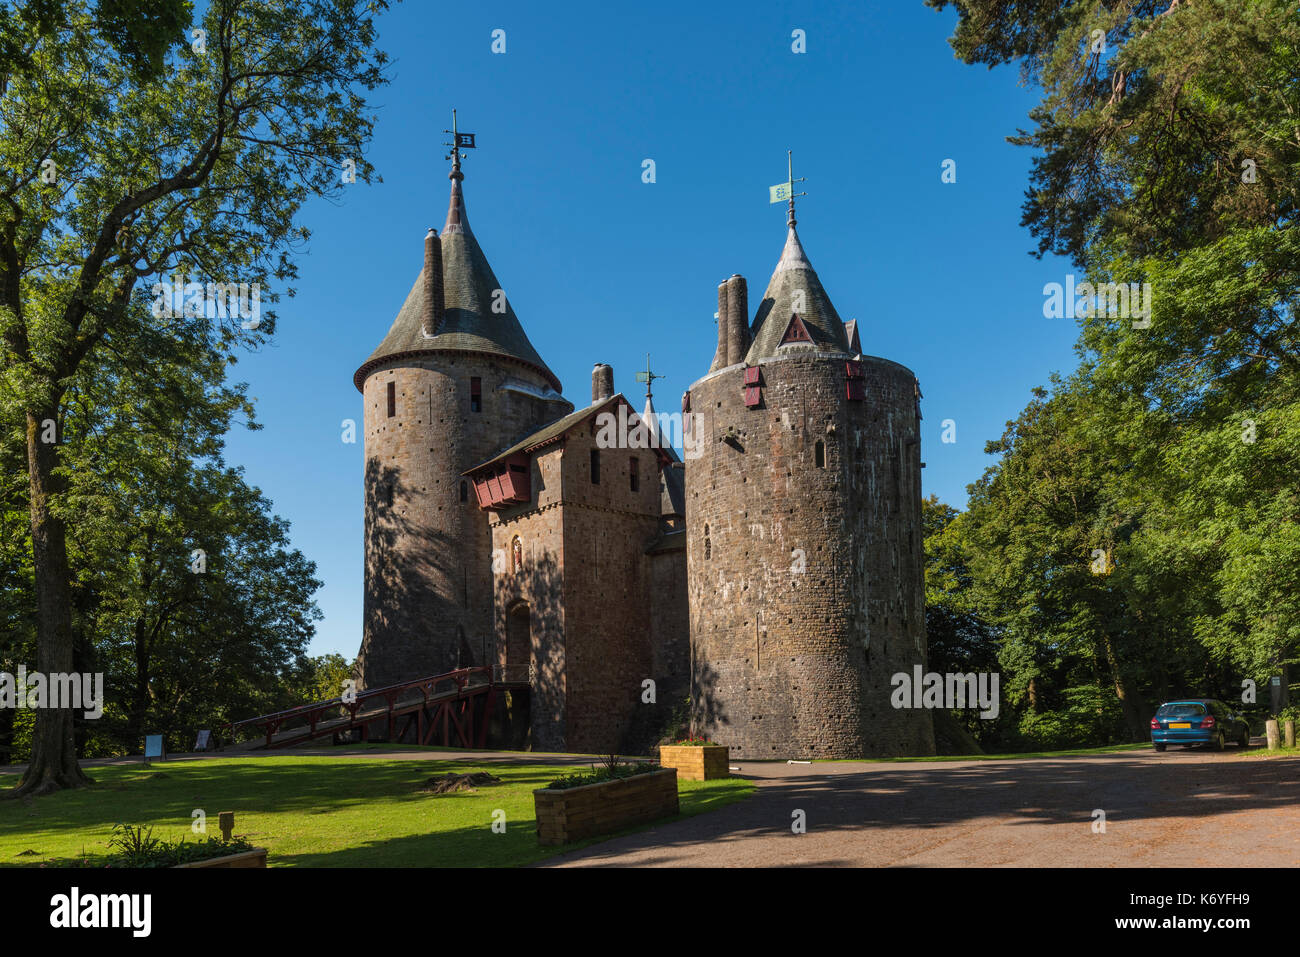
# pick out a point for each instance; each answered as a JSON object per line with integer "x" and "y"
{"x": 166, "y": 796}
{"x": 308, "y": 811}
{"x": 480, "y": 846}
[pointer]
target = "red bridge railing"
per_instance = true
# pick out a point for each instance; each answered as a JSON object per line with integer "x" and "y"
{"x": 428, "y": 703}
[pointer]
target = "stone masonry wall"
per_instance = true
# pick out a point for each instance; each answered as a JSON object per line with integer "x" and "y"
{"x": 805, "y": 581}
{"x": 606, "y": 589}
{"x": 670, "y": 627}
{"x": 539, "y": 526}
{"x": 428, "y": 580}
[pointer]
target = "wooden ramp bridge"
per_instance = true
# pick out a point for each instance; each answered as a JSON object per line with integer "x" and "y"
{"x": 451, "y": 709}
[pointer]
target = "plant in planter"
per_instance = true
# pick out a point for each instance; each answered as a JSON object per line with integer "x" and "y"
{"x": 605, "y": 799}
{"x": 610, "y": 769}
{"x": 137, "y": 847}
{"x": 696, "y": 758}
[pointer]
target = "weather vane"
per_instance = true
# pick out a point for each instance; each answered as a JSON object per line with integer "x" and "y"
{"x": 785, "y": 191}
{"x": 647, "y": 377}
{"x": 459, "y": 141}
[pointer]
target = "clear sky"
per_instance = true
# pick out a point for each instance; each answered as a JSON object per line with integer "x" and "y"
{"x": 602, "y": 267}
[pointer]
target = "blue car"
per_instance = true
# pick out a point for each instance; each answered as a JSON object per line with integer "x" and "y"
{"x": 1198, "y": 721}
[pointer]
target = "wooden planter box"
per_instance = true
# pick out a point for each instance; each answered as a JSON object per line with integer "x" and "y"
{"x": 572, "y": 814}
{"x": 254, "y": 858}
{"x": 697, "y": 762}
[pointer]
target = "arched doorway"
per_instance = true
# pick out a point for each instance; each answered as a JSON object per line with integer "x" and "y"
{"x": 517, "y": 713}
{"x": 519, "y": 626}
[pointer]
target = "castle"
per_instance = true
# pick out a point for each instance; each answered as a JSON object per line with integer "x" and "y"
{"x": 774, "y": 576}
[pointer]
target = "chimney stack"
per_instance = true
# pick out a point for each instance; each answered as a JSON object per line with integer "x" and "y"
{"x": 433, "y": 303}
{"x": 724, "y": 314}
{"x": 738, "y": 320}
{"x": 602, "y": 382}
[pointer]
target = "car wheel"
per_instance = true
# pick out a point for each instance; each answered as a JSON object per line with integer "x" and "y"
{"x": 1160, "y": 747}
{"x": 1245, "y": 738}
{"x": 1218, "y": 741}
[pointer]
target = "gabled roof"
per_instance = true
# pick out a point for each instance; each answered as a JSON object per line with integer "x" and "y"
{"x": 794, "y": 289}
{"x": 851, "y": 333}
{"x": 796, "y": 331}
{"x": 548, "y": 434}
{"x": 469, "y": 290}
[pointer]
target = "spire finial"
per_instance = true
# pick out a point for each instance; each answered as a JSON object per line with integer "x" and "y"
{"x": 459, "y": 141}
{"x": 786, "y": 190}
{"x": 647, "y": 377}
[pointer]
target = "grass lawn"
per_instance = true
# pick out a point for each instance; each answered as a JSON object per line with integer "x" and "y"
{"x": 310, "y": 811}
{"x": 1265, "y": 754}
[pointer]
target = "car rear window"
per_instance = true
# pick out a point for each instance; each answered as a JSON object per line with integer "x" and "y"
{"x": 1184, "y": 709}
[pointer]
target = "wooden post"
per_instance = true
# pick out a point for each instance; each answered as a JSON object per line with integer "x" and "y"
{"x": 1290, "y": 732}
{"x": 1270, "y": 728}
{"x": 226, "y": 820}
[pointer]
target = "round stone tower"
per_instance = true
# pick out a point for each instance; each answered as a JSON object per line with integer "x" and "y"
{"x": 453, "y": 383}
{"x": 803, "y": 517}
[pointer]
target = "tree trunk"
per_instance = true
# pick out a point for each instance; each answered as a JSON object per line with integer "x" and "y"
{"x": 7, "y": 716}
{"x": 140, "y": 696}
{"x": 1135, "y": 710}
{"x": 54, "y": 758}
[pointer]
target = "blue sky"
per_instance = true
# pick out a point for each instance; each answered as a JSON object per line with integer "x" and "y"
{"x": 601, "y": 267}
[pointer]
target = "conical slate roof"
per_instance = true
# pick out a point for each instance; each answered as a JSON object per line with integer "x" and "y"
{"x": 469, "y": 290}
{"x": 782, "y": 302}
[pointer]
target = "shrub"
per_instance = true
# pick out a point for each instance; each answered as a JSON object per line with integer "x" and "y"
{"x": 137, "y": 847}
{"x": 611, "y": 769}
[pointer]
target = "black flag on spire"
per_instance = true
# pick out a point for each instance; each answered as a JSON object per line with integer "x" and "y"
{"x": 459, "y": 141}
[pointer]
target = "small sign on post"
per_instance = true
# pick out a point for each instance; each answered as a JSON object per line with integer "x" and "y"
{"x": 1277, "y": 694}
{"x": 202, "y": 742}
{"x": 153, "y": 748}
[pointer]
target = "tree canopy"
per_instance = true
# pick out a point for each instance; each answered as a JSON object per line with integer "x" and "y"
{"x": 151, "y": 167}
{"x": 1138, "y": 531}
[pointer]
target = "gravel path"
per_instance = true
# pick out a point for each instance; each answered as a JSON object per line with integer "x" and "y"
{"x": 1187, "y": 808}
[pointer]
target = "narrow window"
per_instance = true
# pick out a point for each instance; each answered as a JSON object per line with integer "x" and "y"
{"x": 595, "y": 466}
{"x": 819, "y": 454}
{"x": 634, "y": 478}
{"x": 392, "y": 399}
{"x": 388, "y": 493}
{"x": 476, "y": 394}
{"x": 708, "y": 545}
{"x": 464, "y": 492}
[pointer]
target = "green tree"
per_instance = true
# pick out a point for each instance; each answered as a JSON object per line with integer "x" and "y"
{"x": 1049, "y": 531}
{"x": 959, "y": 639}
{"x": 1166, "y": 152}
{"x": 110, "y": 178}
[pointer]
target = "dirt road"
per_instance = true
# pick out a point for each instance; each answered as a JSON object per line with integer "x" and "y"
{"x": 1189, "y": 808}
